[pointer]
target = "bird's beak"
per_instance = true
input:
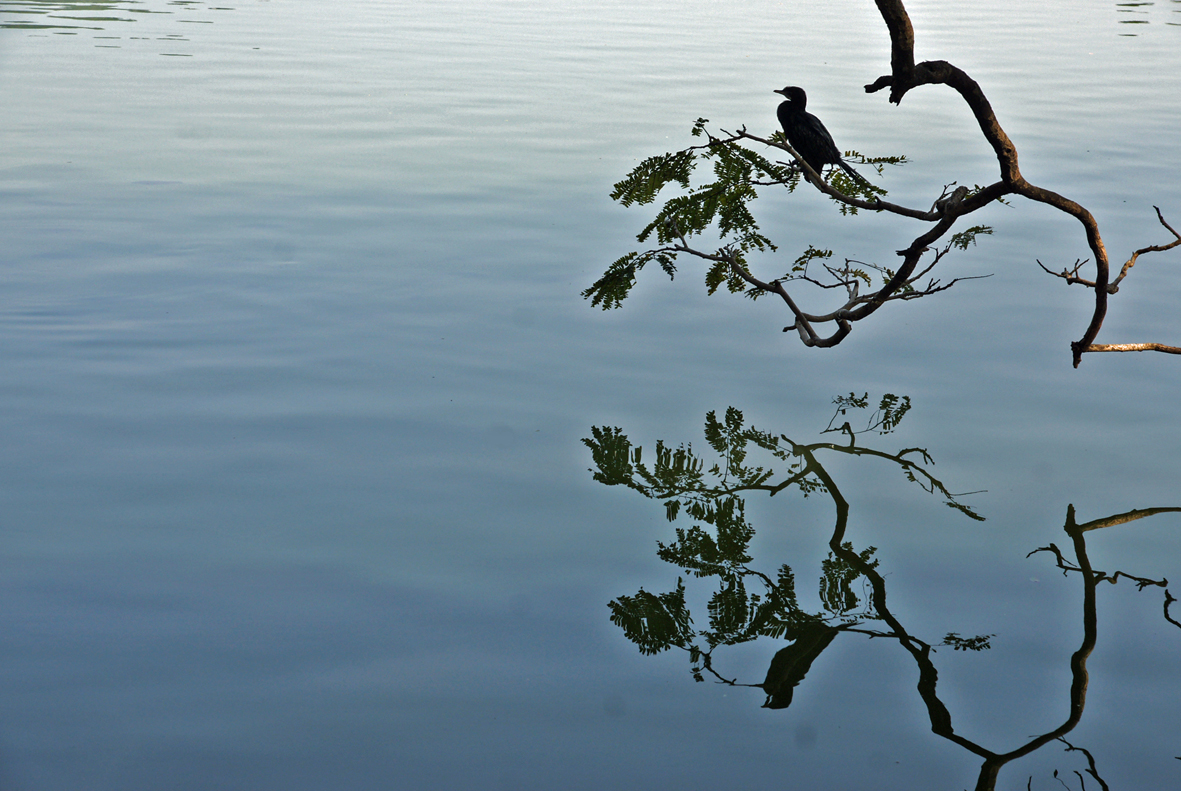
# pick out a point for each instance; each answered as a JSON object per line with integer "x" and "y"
{"x": 780, "y": 91}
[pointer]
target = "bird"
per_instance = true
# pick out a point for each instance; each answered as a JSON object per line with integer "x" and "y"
{"x": 807, "y": 134}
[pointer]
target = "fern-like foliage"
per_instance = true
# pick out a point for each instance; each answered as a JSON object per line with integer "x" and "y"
{"x": 654, "y": 622}
{"x": 719, "y": 207}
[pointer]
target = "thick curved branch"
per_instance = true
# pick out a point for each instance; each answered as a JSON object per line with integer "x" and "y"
{"x": 1098, "y": 249}
{"x": 905, "y": 75}
{"x": 901, "y": 46}
{"x": 940, "y": 72}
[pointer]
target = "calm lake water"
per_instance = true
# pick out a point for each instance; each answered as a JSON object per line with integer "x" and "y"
{"x": 297, "y": 377}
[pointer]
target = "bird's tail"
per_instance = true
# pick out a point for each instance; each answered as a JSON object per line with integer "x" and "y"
{"x": 845, "y": 166}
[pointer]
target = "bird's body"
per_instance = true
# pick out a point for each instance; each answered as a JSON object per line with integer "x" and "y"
{"x": 807, "y": 135}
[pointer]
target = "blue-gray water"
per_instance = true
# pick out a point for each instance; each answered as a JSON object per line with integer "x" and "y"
{"x": 295, "y": 374}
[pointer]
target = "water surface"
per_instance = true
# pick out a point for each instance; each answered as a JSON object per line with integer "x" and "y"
{"x": 297, "y": 374}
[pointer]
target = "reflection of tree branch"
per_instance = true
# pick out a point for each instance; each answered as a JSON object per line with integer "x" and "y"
{"x": 937, "y": 712}
{"x": 1124, "y": 518}
{"x": 1100, "y": 576}
{"x": 1169, "y": 600}
{"x": 706, "y": 659}
{"x": 721, "y": 549}
{"x": 1091, "y": 770}
{"x": 913, "y": 470}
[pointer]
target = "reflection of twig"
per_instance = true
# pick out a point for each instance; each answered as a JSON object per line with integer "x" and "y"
{"x": 913, "y": 470}
{"x": 1090, "y": 763}
{"x": 1169, "y": 600}
{"x": 1100, "y": 576}
{"x": 1076, "y": 530}
{"x": 1062, "y": 782}
{"x": 707, "y": 664}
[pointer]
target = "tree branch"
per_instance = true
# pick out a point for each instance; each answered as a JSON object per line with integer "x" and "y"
{"x": 905, "y": 75}
{"x": 723, "y": 206}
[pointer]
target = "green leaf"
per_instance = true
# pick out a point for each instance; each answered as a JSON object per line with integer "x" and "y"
{"x": 716, "y": 275}
{"x": 962, "y": 239}
{"x": 615, "y": 285}
{"x": 648, "y": 178}
{"x": 721, "y": 207}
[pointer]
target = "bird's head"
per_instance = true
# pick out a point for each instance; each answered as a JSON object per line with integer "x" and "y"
{"x": 794, "y": 95}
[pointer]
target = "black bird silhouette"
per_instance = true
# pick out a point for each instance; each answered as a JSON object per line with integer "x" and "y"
{"x": 807, "y": 134}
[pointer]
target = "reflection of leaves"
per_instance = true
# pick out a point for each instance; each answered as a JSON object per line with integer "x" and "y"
{"x": 837, "y": 577}
{"x": 730, "y": 440}
{"x": 747, "y": 603}
{"x": 851, "y": 401}
{"x": 611, "y": 451}
{"x": 698, "y": 552}
{"x": 729, "y": 614}
{"x": 891, "y": 409}
{"x": 980, "y": 642}
{"x": 963, "y": 509}
{"x": 654, "y": 622}
{"x": 680, "y": 477}
{"x": 695, "y": 551}
{"x": 676, "y": 471}
{"x": 779, "y": 616}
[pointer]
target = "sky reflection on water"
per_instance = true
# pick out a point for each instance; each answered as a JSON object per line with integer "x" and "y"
{"x": 296, "y": 374}
{"x": 113, "y": 25}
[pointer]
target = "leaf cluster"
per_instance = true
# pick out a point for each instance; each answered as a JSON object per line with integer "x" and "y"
{"x": 883, "y": 420}
{"x": 721, "y": 206}
{"x": 856, "y": 187}
{"x": 654, "y": 622}
{"x": 966, "y": 238}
